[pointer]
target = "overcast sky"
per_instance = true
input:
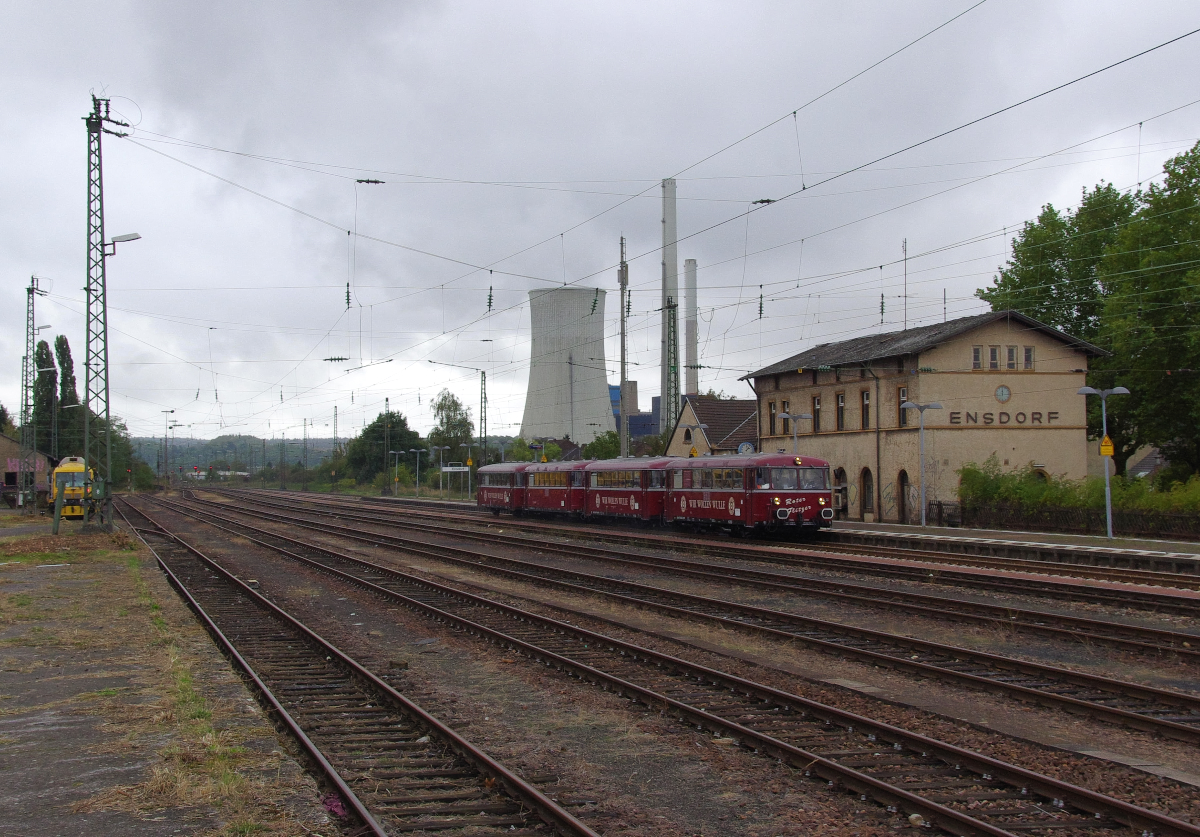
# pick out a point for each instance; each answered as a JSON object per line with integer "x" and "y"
{"x": 527, "y": 138}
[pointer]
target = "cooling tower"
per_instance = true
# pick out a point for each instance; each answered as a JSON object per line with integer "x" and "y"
{"x": 568, "y": 384}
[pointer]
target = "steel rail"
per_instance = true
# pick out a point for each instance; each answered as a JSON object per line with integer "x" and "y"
{"x": 1055, "y": 625}
{"x": 1022, "y": 784}
{"x": 1159, "y": 707}
{"x": 517, "y": 788}
{"x": 922, "y": 551}
{"x": 306, "y": 743}
{"x": 1063, "y": 589}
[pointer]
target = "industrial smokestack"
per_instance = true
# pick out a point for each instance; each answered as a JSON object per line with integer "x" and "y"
{"x": 669, "y": 401}
{"x": 568, "y": 381}
{"x": 690, "y": 329}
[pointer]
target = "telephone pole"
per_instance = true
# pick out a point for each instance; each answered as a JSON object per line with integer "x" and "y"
{"x": 387, "y": 430}
{"x": 623, "y": 282}
{"x": 97, "y": 427}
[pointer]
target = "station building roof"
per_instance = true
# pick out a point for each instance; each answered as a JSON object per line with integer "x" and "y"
{"x": 862, "y": 350}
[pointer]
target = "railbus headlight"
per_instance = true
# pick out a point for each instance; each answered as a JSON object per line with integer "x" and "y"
{"x": 777, "y": 501}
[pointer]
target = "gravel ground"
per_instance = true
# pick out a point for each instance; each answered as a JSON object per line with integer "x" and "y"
{"x": 784, "y": 667}
{"x": 624, "y": 773}
{"x": 119, "y": 716}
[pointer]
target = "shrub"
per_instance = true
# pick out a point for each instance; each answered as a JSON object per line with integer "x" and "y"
{"x": 986, "y": 484}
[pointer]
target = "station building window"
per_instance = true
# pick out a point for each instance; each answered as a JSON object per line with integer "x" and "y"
{"x": 1029, "y": 358}
{"x": 787, "y": 423}
{"x": 901, "y": 413}
{"x": 841, "y": 411}
{"x": 816, "y": 413}
{"x": 771, "y": 418}
{"x": 977, "y": 357}
{"x": 993, "y": 357}
{"x": 1010, "y": 357}
{"x": 866, "y": 409}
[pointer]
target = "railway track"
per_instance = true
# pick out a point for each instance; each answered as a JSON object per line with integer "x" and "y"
{"x": 1003, "y": 579}
{"x": 1130, "y": 566}
{"x": 1168, "y": 713}
{"x": 930, "y": 782}
{"x": 396, "y": 768}
{"x": 1058, "y": 626}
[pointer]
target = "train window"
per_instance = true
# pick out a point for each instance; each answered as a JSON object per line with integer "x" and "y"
{"x": 783, "y": 479}
{"x": 577, "y": 478}
{"x": 762, "y": 478}
{"x": 706, "y": 478}
{"x": 555, "y": 479}
{"x": 658, "y": 479}
{"x": 689, "y": 478}
{"x": 814, "y": 479}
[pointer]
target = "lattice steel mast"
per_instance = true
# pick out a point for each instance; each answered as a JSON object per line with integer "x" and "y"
{"x": 97, "y": 425}
{"x": 27, "y": 467}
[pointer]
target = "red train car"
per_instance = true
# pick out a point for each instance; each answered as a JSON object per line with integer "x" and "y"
{"x": 556, "y": 487}
{"x": 502, "y": 487}
{"x": 771, "y": 492}
{"x": 765, "y": 491}
{"x": 627, "y": 488}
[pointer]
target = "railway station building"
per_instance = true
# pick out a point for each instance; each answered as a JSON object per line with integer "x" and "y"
{"x": 711, "y": 426}
{"x": 1006, "y": 382}
{"x": 10, "y": 456}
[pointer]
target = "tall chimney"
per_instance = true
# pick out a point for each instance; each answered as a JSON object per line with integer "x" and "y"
{"x": 669, "y": 391}
{"x": 690, "y": 328}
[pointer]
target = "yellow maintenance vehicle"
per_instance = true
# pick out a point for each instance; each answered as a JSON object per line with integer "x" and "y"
{"x": 71, "y": 480}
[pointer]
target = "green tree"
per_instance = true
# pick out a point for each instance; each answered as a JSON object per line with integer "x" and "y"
{"x": 70, "y": 417}
{"x": 45, "y": 392}
{"x": 605, "y": 446}
{"x": 1053, "y": 274}
{"x": 5, "y": 421}
{"x": 454, "y": 426}
{"x": 366, "y": 455}
{"x": 1152, "y": 278}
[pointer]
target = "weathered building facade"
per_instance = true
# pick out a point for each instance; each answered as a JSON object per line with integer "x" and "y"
{"x": 1007, "y": 385}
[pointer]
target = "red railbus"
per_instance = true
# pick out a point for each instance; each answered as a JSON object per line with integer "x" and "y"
{"x": 762, "y": 492}
{"x": 629, "y": 488}
{"x": 555, "y": 487}
{"x": 502, "y": 487}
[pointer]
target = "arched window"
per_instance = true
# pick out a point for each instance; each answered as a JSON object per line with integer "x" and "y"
{"x": 867, "y": 491}
{"x": 902, "y": 497}
{"x": 687, "y": 436}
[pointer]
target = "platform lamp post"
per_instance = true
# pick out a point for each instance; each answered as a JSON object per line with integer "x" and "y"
{"x": 795, "y": 420}
{"x": 396, "y": 476}
{"x": 921, "y": 408}
{"x": 166, "y": 469}
{"x": 441, "y": 474}
{"x": 1106, "y": 446}
{"x": 418, "y": 452}
{"x": 469, "y": 448}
